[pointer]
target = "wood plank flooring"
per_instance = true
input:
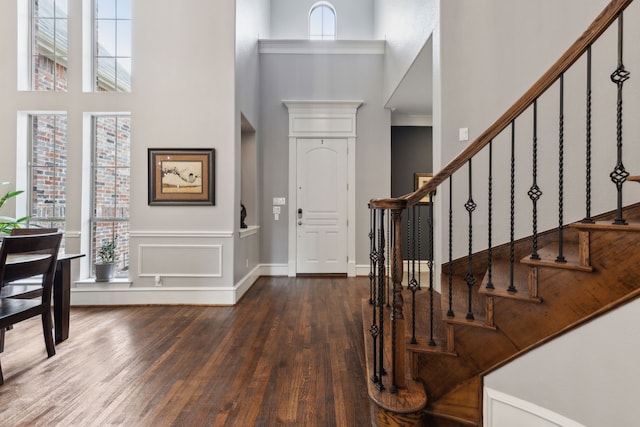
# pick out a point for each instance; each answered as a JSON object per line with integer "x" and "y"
{"x": 290, "y": 353}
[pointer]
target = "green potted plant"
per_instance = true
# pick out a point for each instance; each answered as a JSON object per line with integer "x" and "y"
{"x": 8, "y": 223}
{"x": 107, "y": 259}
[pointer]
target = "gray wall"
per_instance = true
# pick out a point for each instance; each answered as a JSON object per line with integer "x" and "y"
{"x": 411, "y": 152}
{"x": 354, "y": 19}
{"x": 590, "y": 376}
{"x": 489, "y": 53}
{"x": 486, "y": 54}
{"x": 252, "y": 22}
{"x": 406, "y": 26}
{"x": 321, "y": 77}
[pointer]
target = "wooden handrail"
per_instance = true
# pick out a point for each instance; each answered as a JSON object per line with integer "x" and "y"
{"x": 577, "y": 49}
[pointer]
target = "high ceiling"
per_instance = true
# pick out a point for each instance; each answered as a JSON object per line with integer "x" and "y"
{"x": 414, "y": 95}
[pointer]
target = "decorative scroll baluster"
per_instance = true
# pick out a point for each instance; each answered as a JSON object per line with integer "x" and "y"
{"x": 374, "y": 330}
{"x": 470, "y": 206}
{"x": 412, "y": 283}
{"x": 512, "y": 217}
{"x": 372, "y": 257}
{"x": 450, "y": 312}
{"x": 535, "y": 192}
{"x": 381, "y": 291}
{"x": 430, "y": 220}
{"x": 388, "y": 270}
{"x": 587, "y": 219}
{"x": 560, "y": 257}
{"x": 619, "y": 174}
{"x": 490, "y": 220}
{"x": 419, "y": 247}
{"x": 394, "y": 314}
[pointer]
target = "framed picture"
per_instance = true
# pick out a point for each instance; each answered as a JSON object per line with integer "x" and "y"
{"x": 422, "y": 179}
{"x": 182, "y": 176}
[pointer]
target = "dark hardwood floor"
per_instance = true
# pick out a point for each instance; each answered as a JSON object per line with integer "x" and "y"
{"x": 290, "y": 353}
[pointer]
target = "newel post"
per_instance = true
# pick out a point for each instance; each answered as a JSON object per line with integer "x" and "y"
{"x": 397, "y": 315}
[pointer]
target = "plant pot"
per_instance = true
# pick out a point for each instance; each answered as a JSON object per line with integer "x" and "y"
{"x": 104, "y": 272}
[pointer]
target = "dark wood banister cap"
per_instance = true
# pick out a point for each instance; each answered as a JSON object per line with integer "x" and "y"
{"x": 577, "y": 49}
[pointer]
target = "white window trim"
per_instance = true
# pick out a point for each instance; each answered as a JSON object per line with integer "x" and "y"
{"x": 335, "y": 15}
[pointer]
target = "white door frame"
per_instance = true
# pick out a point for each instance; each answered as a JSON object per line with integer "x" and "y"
{"x": 323, "y": 119}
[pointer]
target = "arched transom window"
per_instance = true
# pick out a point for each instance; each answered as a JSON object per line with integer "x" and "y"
{"x": 322, "y": 22}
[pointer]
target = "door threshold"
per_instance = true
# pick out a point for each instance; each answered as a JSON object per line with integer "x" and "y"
{"x": 321, "y": 274}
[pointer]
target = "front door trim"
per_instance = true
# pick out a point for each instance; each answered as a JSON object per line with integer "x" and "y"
{"x": 323, "y": 119}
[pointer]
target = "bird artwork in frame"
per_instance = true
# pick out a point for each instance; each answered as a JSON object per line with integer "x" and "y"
{"x": 181, "y": 176}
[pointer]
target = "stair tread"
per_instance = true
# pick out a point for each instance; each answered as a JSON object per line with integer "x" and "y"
{"x": 501, "y": 278}
{"x": 549, "y": 254}
{"x": 409, "y": 400}
{"x": 631, "y": 226}
{"x": 459, "y": 405}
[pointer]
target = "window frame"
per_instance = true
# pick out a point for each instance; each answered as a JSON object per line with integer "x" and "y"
{"x": 94, "y": 52}
{"x": 323, "y": 5}
{"x": 93, "y": 217}
{"x": 26, "y": 41}
{"x": 53, "y": 221}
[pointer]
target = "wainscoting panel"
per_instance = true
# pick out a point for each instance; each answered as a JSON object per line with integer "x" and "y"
{"x": 171, "y": 260}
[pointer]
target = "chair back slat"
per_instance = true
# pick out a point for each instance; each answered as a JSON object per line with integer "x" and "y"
{"x": 26, "y": 256}
{"x": 34, "y": 230}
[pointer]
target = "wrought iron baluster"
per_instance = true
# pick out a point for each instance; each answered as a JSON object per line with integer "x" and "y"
{"x": 512, "y": 217}
{"x": 372, "y": 255}
{"x": 412, "y": 283}
{"x": 394, "y": 303}
{"x": 409, "y": 236}
{"x": 534, "y": 192}
{"x": 419, "y": 247}
{"x": 381, "y": 292}
{"x": 619, "y": 174}
{"x": 450, "y": 312}
{"x": 430, "y": 220}
{"x": 374, "y": 330}
{"x": 470, "y": 206}
{"x": 388, "y": 270}
{"x": 560, "y": 257}
{"x": 587, "y": 219}
{"x": 490, "y": 220}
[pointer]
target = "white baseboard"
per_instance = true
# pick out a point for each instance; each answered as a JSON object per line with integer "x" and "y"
{"x": 122, "y": 293}
{"x": 363, "y": 269}
{"x": 274, "y": 270}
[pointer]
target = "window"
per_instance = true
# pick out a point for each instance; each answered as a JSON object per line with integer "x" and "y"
{"x": 49, "y": 45}
{"x": 112, "y": 45}
{"x": 322, "y": 22}
{"x": 111, "y": 186}
{"x": 47, "y": 176}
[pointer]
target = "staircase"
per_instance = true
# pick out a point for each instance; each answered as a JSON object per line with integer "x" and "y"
{"x": 429, "y": 347}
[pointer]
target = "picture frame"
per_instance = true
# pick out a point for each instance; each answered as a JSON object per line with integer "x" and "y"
{"x": 421, "y": 179}
{"x": 181, "y": 176}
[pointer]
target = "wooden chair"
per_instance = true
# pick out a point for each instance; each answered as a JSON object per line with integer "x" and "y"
{"x": 25, "y": 290}
{"x": 22, "y": 257}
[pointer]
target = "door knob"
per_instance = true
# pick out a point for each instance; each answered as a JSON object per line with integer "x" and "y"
{"x": 299, "y": 222}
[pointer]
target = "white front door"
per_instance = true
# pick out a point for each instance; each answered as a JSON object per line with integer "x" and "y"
{"x": 321, "y": 212}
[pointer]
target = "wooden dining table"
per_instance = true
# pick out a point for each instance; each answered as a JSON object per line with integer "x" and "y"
{"x": 61, "y": 293}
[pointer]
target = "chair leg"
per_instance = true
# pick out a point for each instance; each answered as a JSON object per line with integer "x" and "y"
{"x": 2, "y": 331}
{"x": 47, "y": 328}
{"x": 1, "y": 376}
